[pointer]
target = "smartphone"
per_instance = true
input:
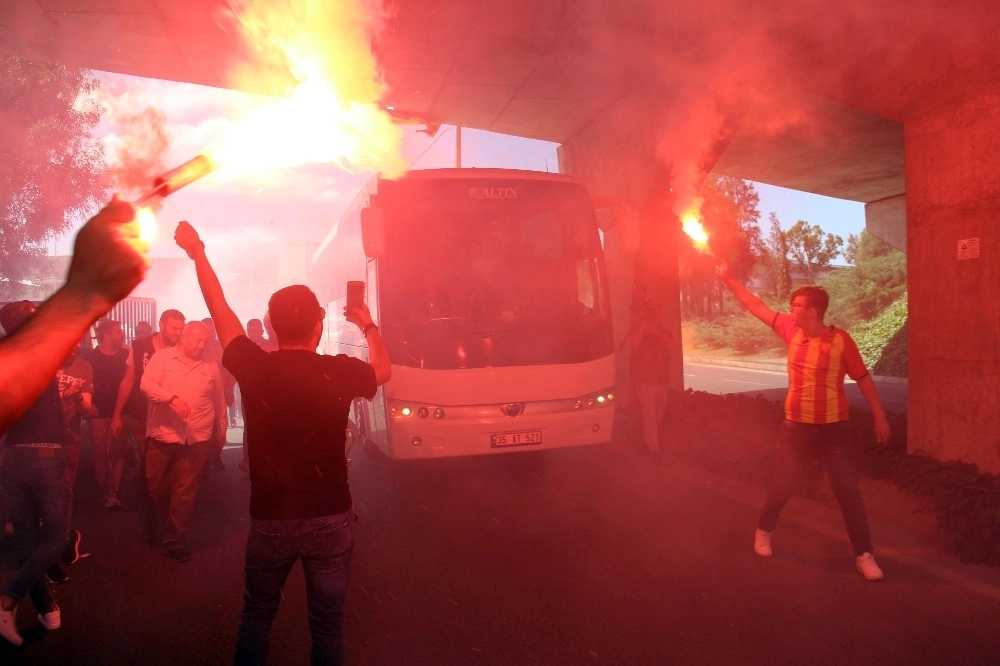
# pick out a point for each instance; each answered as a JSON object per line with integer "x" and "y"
{"x": 355, "y": 294}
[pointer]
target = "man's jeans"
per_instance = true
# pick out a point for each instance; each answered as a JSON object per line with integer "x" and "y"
{"x": 830, "y": 443}
{"x": 36, "y": 488}
{"x": 324, "y": 545}
{"x": 173, "y": 473}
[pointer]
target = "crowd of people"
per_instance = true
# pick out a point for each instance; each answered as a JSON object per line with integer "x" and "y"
{"x": 161, "y": 408}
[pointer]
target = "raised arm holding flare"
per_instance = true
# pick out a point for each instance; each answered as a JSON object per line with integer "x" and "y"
{"x": 816, "y": 413}
{"x": 109, "y": 260}
{"x": 296, "y": 404}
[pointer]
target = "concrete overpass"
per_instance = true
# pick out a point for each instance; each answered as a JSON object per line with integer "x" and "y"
{"x": 897, "y": 107}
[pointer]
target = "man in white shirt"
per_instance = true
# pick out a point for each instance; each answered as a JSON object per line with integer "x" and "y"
{"x": 186, "y": 404}
{"x": 132, "y": 408}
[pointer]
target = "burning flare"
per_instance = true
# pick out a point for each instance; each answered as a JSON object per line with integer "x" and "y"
{"x": 696, "y": 232}
{"x": 332, "y": 113}
{"x": 147, "y": 223}
{"x": 319, "y": 52}
{"x": 173, "y": 180}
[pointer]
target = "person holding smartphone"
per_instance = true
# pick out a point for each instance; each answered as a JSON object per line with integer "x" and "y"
{"x": 296, "y": 404}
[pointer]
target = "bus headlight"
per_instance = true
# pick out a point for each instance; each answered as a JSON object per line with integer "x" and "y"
{"x": 422, "y": 412}
{"x": 438, "y": 413}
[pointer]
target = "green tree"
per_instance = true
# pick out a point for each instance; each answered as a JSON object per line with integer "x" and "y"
{"x": 877, "y": 279}
{"x": 730, "y": 216}
{"x": 53, "y": 169}
{"x": 781, "y": 269}
{"x": 811, "y": 248}
{"x": 871, "y": 247}
{"x": 851, "y": 250}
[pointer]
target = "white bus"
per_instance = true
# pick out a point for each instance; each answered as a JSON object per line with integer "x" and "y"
{"x": 489, "y": 289}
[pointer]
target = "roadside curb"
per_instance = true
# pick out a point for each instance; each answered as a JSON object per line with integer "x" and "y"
{"x": 771, "y": 366}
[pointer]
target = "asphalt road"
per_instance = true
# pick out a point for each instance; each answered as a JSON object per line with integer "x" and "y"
{"x": 573, "y": 556}
{"x": 728, "y": 379}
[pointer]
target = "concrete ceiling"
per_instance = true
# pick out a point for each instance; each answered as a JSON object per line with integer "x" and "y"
{"x": 545, "y": 68}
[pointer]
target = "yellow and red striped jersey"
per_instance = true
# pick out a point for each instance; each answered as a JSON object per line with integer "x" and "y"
{"x": 816, "y": 369}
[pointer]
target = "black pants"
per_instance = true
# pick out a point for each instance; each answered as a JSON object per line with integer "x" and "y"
{"x": 801, "y": 443}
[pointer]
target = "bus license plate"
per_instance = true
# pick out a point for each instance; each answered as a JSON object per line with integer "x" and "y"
{"x": 502, "y": 439}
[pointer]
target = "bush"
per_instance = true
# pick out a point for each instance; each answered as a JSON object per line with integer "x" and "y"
{"x": 706, "y": 333}
{"x": 747, "y": 335}
{"x": 740, "y": 332}
{"x": 885, "y": 337}
{"x": 882, "y": 341}
{"x": 861, "y": 292}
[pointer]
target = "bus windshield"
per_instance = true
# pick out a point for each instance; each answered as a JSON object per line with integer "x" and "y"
{"x": 468, "y": 281}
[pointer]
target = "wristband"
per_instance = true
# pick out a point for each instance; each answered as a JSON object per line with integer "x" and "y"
{"x": 368, "y": 327}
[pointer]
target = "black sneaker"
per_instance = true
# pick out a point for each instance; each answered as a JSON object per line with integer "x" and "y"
{"x": 72, "y": 553}
{"x": 179, "y": 554}
{"x": 56, "y": 575}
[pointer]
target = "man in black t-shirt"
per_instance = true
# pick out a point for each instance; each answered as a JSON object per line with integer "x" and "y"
{"x": 296, "y": 406}
{"x": 108, "y": 359}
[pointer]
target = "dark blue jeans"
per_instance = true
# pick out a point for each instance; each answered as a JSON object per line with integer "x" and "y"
{"x": 829, "y": 443}
{"x": 324, "y": 545}
{"x": 36, "y": 488}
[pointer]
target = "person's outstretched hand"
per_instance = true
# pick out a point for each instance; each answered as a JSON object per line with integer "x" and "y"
{"x": 187, "y": 238}
{"x": 109, "y": 258}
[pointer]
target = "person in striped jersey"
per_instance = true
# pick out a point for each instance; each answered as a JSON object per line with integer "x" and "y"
{"x": 816, "y": 413}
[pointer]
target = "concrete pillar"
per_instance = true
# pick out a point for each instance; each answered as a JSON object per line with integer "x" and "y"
{"x": 953, "y": 258}
{"x": 615, "y": 156}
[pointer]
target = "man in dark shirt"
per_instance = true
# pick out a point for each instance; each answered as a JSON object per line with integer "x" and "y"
{"x": 108, "y": 359}
{"x": 76, "y": 392}
{"x": 296, "y": 407}
{"x": 36, "y": 490}
{"x": 649, "y": 372}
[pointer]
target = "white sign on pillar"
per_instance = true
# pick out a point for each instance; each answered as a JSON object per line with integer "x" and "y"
{"x": 968, "y": 248}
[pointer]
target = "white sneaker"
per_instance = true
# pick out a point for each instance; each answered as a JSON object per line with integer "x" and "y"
{"x": 866, "y": 565}
{"x": 8, "y": 627}
{"x": 51, "y": 620}
{"x": 762, "y": 543}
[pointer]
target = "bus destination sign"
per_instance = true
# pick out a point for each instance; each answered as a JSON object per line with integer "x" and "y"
{"x": 488, "y": 192}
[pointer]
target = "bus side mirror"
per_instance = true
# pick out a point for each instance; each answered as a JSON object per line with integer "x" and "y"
{"x": 626, "y": 220}
{"x": 373, "y": 231}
